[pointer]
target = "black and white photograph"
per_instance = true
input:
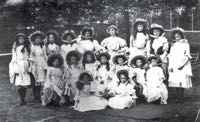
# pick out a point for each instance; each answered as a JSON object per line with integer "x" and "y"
{"x": 100, "y": 61}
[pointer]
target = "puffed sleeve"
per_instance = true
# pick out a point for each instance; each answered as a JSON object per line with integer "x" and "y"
{"x": 123, "y": 43}
{"x": 165, "y": 44}
{"x": 187, "y": 50}
{"x": 97, "y": 46}
{"x": 148, "y": 48}
{"x": 131, "y": 41}
{"x": 104, "y": 43}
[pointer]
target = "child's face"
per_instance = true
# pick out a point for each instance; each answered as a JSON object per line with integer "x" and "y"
{"x": 139, "y": 63}
{"x": 89, "y": 58}
{"x": 51, "y": 38}
{"x": 120, "y": 61}
{"x": 73, "y": 60}
{"x": 177, "y": 37}
{"x": 154, "y": 62}
{"x": 38, "y": 39}
{"x": 87, "y": 34}
{"x": 21, "y": 40}
{"x": 85, "y": 78}
{"x": 103, "y": 59}
{"x": 123, "y": 78}
{"x": 156, "y": 32}
{"x": 140, "y": 27}
{"x": 68, "y": 38}
{"x": 112, "y": 31}
{"x": 56, "y": 63}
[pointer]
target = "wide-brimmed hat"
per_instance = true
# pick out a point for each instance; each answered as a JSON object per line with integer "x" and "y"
{"x": 86, "y": 73}
{"x": 123, "y": 71}
{"x": 52, "y": 57}
{"x": 115, "y": 58}
{"x": 75, "y": 53}
{"x": 35, "y": 34}
{"x": 134, "y": 59}
{"x": 68, "y": 33}
{"x": 99, "y": 55}
{"x": 177, "y": 30}
{"x": 89, "y": 29}
{"x": 155, "y": 57}
{"x": 22, "y": 35}
{"x": 140, "y": 21}
{"x": 54, "y": 33}
{"x": 157, "y": 27}
{"x": 112, "y": 26}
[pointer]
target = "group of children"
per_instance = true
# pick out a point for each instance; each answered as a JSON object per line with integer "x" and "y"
{"x": 92, "y": 76}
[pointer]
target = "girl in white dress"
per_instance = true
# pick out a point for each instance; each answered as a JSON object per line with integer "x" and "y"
{"x": 55, "y": 81}
{"x": 180, "y": 71}
{"x": 69, "y": 43}
{"x": 52, "y": 39}
{"x": 137, "y": 73}
{"x": 156, "y": 89}
{"x": 74, "y": 68}
{"x": 120, "y": 62}
{"x": 158, "y": 44}
{"x": 114, "y": 44}
{"x": 38, "y": 52}
{"x": 123, "y": 93}
{"x": 139, "y": 38}
{"x": 87, "y": 98}
{"x": 89, "y": 62}
{"x": 104, "y": 73}
{"x": 87, "y": 41}
{"x": 19, "y": 67}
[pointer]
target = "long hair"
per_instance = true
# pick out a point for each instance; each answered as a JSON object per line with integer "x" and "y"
{"x": 26, "y": 45}
{"x": 127, "y": 78}
{"x": 84, "y": 61}
{"x": 135, "y": 31}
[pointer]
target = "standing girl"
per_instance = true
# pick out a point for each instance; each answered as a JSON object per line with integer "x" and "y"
{"x": 123, "y": 93}
{"x": 54, "y": 84}
{"x": 69, "y": 44}
{"x": 52, "y": 39}
{"x": 39, "y": 67}
{"x": 73, "y": 69}
{"x": 87, "y": 41}
{"x": 139, "y": 38}
{"x": 114, "y": 44}
{"x": 86, "y": 98}
{"x": 180, "y": 71}
{"x": 19, "y": 66}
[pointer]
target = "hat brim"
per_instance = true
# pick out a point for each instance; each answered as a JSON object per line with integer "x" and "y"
{"x": 41, "y": 34}
{"x": 122, "y": 72}
{"x": 63, "y": 37}
{"x": 103, "y": 54}
{"x": 87, "y": 73}
{"x": 85, "y": 30}
{"x": 54, "y": 33}
{"x": 20, "y": 34}
{"x": 134, "y": 59}
{"x": 155, "y": 57}
{"x": 73, "y": 53}
{"x": 157, "y": 28}
{"x": 173, "y": 32}
{"x": 140, "y": 22}
{"x": 112, "y": 26}
{"x": 52, "y": 57}
{"x": 119, "y": 56}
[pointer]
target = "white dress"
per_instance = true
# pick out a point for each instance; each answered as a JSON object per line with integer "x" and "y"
{"x": 138, "y": 45}
{"x": 40, "y": 64}
{"x": 124, "y": 96}
{"x": 52, "y": 49}
{"x": 114, "y": 45}
{"x": 85, "y": 45}
{"x": 65, "y": 48}
{"x": 88, "y": 101}
{"x": 91, "y": 67}
{"x": 155, "y": 87}
{"x": 140, "y": 75}
{"x": 157, "y": 43}
{"x": 20, "y": 65}
{"x": 180, "y": 51}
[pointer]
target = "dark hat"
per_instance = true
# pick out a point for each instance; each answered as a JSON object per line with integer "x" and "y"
{"x": 54, "y": 33}
{"x": 140, "y": 21}
{"x": 155, "y": 57}
{"x": 112, "y": 26}
{"x": 103, "y": 54}
{"x": 122, "y": 72}
{"x": 89, "y": 29}
{"x": 134, "y": 59}
{"x": 177, "y": 30}
{"x": 35, "y": 34}
{"x": 86, "y": 73}
{"x": 115, "y": 58}
{"x": 52, "y": 57}
{"x": 20, "y": 34}
{"x": 75, "y": 53}
{"x": 68, "y": 33}
{"x": 157, "y": 27}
